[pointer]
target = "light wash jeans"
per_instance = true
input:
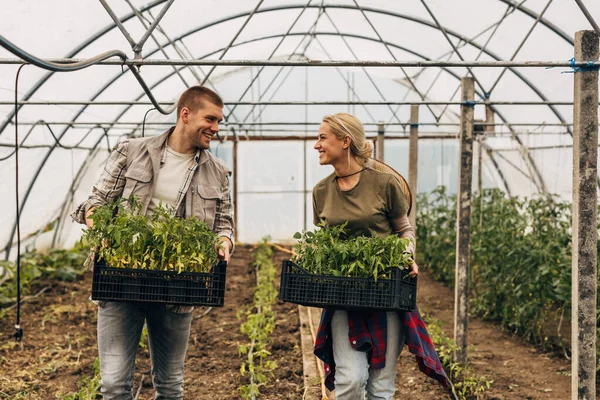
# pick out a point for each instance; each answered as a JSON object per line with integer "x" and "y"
{"x": 353, "y": 376}
{"x": 119, "y": 329}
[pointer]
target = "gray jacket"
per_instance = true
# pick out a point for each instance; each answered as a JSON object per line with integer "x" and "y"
{"x": 132, "y": 166}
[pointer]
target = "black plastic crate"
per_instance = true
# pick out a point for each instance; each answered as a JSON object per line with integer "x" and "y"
{"x": 188, "y": 288}
{"x": 396, "y": 294}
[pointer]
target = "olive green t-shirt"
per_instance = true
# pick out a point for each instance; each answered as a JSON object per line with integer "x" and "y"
{"x": 368, "y": 207}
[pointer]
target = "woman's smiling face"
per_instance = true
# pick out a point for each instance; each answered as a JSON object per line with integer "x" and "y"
{"x": 330, "y": 148}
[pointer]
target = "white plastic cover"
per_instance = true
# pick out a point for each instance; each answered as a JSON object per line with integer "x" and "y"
{"x": 275, "y": 178}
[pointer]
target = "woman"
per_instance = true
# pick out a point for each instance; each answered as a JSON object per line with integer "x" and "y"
{"x": 360, "y": 349}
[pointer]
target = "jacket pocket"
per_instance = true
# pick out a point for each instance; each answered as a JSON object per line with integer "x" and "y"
{"x": 205, "y": 205}
{"x": 134, "y": 179}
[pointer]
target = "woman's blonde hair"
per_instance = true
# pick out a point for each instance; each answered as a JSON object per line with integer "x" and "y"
{"x": 342, "y": 125}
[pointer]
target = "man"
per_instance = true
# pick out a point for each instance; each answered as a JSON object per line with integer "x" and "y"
{"x": 177, "y": 170}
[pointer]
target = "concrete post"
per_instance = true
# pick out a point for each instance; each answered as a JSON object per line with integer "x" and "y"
{"x": 463, "y": 225}
{"x": 480, "y": 177}
{"x": 413, "y": 162}
{"x": 236, "y": 229}
{"x": 380, "y": 138}
{"x": 585, "y": 235}
{"x": 489, "y": 119}
{"x": 479, "y": 165}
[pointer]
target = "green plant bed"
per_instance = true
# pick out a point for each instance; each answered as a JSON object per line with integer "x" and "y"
{"x": 54, "y": 264}
{"x": 520, "y": 265}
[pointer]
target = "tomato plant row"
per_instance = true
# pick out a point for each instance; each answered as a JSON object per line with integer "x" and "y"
{"x": 520, "y": 263}
{"x": 259, "y": 326}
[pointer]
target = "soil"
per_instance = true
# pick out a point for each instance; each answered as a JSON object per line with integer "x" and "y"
{"x": 516, "y": 369}
{"x": 59, "y": 348}
{"x": 59, "y": 344}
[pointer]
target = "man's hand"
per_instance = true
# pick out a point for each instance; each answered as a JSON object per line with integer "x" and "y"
{"x": 224, "y": 248}
{"x": 88, "y": 221}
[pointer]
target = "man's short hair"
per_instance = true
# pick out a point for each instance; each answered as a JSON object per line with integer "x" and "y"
{"x": 195, "y": 97}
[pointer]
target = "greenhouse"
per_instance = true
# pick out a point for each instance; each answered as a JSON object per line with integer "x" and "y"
{"x": 485, "y": 112}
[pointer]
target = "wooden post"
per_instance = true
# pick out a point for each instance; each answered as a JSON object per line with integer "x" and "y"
{"x": 463, "y": 223}
{"x": 413, "y": 162}
{"x": 585, "y": 235}
{"x": 380, "y": 137}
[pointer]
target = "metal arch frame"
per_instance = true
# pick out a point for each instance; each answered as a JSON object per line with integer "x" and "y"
{"x": 528, "y": 160}
{"x": 532, "y": 14}
{"x": 150, "y": 6}
{"x": 171, "y": 74}
{"x": 75, "y": 51}
{"x": 239, "y": 44}
{"x": 495, "y": 163}
{"x": 414, "y": 19}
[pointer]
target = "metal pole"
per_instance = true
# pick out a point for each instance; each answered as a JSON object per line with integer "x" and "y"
{"x": 443, "y": 30}
{"x": 287, "y": 123}
{"x": 232, "y": 41}
{"x": 589, "y": 17}
{"x": 118, "y": 23}
{"x": 368, "y": 75}
{"x": 406, "y": 76}
{"x": 270, "y": 57}
{"x": 585, "y": 235}
{"x": 380, "y": 142}
{"x": 463, "y": 223}
{"x": 314, "y": 63}
{"x": 413, "y": 162}
{"x": 497, "y": 167}
{"x": 522, "y": 44}
{"x": 288, "y": 103}
{"x": 137, "y": 49}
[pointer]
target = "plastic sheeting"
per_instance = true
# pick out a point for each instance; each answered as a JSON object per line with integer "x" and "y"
{"x": 272, "y": 174}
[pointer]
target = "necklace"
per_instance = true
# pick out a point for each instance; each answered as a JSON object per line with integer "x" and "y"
{"x": 354, "y": 173}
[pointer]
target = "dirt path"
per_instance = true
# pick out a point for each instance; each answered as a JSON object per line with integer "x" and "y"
{"x": 518, "y": 370}
{"x": 59, "y": 346}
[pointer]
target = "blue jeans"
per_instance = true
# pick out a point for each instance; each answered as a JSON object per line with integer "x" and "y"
{"x": 119, "y": 329}
{"x": 353, "y": 376}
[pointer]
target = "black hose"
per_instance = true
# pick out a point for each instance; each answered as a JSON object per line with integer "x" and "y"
{"x": 75, "y": 66}
{"x": 144, "y": 121}
{"x": 18, "y": 335}
{"x": 55, "y": 67}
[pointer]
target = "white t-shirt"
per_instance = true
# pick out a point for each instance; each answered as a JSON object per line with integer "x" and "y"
{"x": 169, "y": 181}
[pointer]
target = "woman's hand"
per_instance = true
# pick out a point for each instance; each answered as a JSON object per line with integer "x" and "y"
{"x": 414, "y": 270}
{"x": 224, "y": 248}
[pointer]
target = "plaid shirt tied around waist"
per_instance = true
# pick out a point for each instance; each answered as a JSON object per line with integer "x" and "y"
{"x": 367, "y": 332}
